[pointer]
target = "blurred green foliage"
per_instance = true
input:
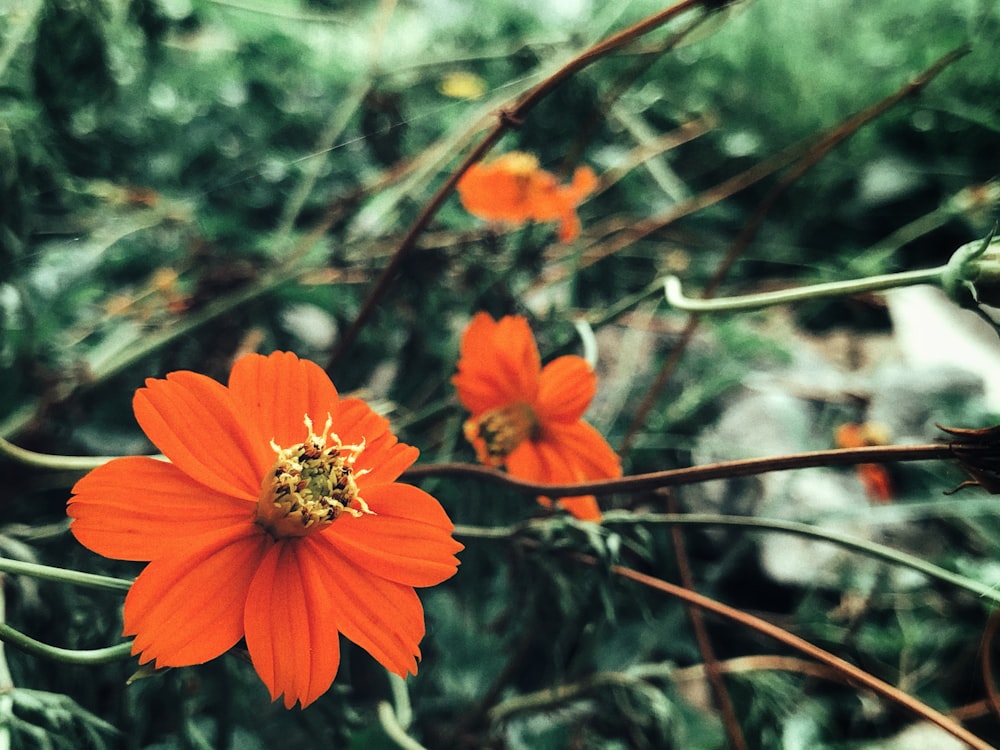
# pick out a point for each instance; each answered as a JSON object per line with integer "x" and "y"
{"x": 163, "y": 167}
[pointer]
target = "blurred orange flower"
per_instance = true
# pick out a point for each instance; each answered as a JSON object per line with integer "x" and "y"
{"x": 874, "y": 477}
{"x": 528, "y": 417}
{"x": 277, "y": 520}
{"x": 513, "y": 188}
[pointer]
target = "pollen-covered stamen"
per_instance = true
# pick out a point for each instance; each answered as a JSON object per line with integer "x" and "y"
{"x": 496, "y": 433}
{"x": 311, "y": 485}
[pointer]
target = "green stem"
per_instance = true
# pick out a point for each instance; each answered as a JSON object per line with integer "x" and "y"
{"x": 49, "y": 461}
{"x": 542, "y": 700}
{"x": 6, "y": 682}
{"x": 676, "y": 298}
{"x": 401, "y": 700}
{"x": 865, "y": 547}
{"x": 62, "y": 575}
{"x": 395, "y": 732}
{"x": 67, "y": 655}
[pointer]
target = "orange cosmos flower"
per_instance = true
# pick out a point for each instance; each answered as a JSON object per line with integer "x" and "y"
{"x": 874, "y": 477}
{"x": 513, "y": 188}
{"x": 528, "y": 417}
{"x": 277, "y": 520}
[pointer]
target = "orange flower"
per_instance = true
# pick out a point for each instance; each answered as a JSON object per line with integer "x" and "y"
{"x": 513, "y": 188}
{"x": 277, "y": 520}
{"x": 874, "y": 477}
{"x": 528, "y": 417}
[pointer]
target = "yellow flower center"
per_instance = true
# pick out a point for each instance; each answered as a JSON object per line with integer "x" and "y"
{"x": 312, "y": 484}
{"x": 518, "y": 163}
{"x": 496, "y": 433}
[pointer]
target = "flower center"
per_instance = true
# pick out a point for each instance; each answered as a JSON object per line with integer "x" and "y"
{"x": 312, "y": 484}
{"x": 496, "y": 433}
{"x": 519, "y": 163}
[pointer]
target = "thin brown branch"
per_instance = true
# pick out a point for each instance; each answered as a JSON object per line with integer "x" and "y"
{"x": 852, "y": 673}
{"x": 762, "y": 663}
{"x": 986, "y": 655}
{"x": 507, "y": 120}
{"x": 968, "y": 712}
{"x": 820, "y": 150}
{"x": 695, "y": 474}
{"x": 712, "y": 669}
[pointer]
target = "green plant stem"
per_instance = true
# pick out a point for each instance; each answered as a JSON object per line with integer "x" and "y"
{"x": 961, "y": 203}
{"x": 395, "y": 732}
{"x": 6, "y": 680}
{"x": 871, "y": 549}
{"x": 676, "y": 298}
{"x": 50, "y": 461}
{"x": 66, "y": 655}
{"x": 864, "y": 546}
{"x": 62, "y": 575}
{"x": 542, "y": 700}
{"x": 403, "y": 710}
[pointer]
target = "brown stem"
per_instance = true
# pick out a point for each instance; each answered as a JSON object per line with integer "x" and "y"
{"x": 713, "y": 671}
{"x": 823, "y": 147}
{"x": 695, "y": 474}
{"x": 763, "y": 663}
{"x": 508, "y": 119}
{"x": 852, "y": 673}
{"x": 992, "y": 693}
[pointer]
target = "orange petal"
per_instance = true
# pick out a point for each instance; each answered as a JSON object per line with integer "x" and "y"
{"x": 849, "y": 435}
{"x": 566, "y": 453}
{"x": 408, "y": 540}
{"x": 876, "y": 480}
{"x": 187, "y": 608}
{"x": 584, "y": 183}
{"x": 503, "y": 189}
{"x": 494, "y": 195}
{"x": 584, "y": 507}
{"x": 140, "y": 509}
{"x": 274, "y": 394}
{"x": 498, "y": 364}
{"x": 384, "y": 618}
{"x": 292, "y": 623}
{"x": 543, "y": 462}
{"x": 565, "y": 389}
{"x": 549, "y": 202}
{"x": 514, "y": 189}
{"x": 581, "y": 448}
{"x": 384, "y": 457}
{"x": 569, "y": 227}
{"x": 192, "y": 419}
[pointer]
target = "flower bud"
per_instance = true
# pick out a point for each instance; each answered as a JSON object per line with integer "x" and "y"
{"x": 972, "y": 276}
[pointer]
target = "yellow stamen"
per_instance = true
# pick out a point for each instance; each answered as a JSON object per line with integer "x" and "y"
{"x": 496, "y": 433}
{"x": 312, "y": 484}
